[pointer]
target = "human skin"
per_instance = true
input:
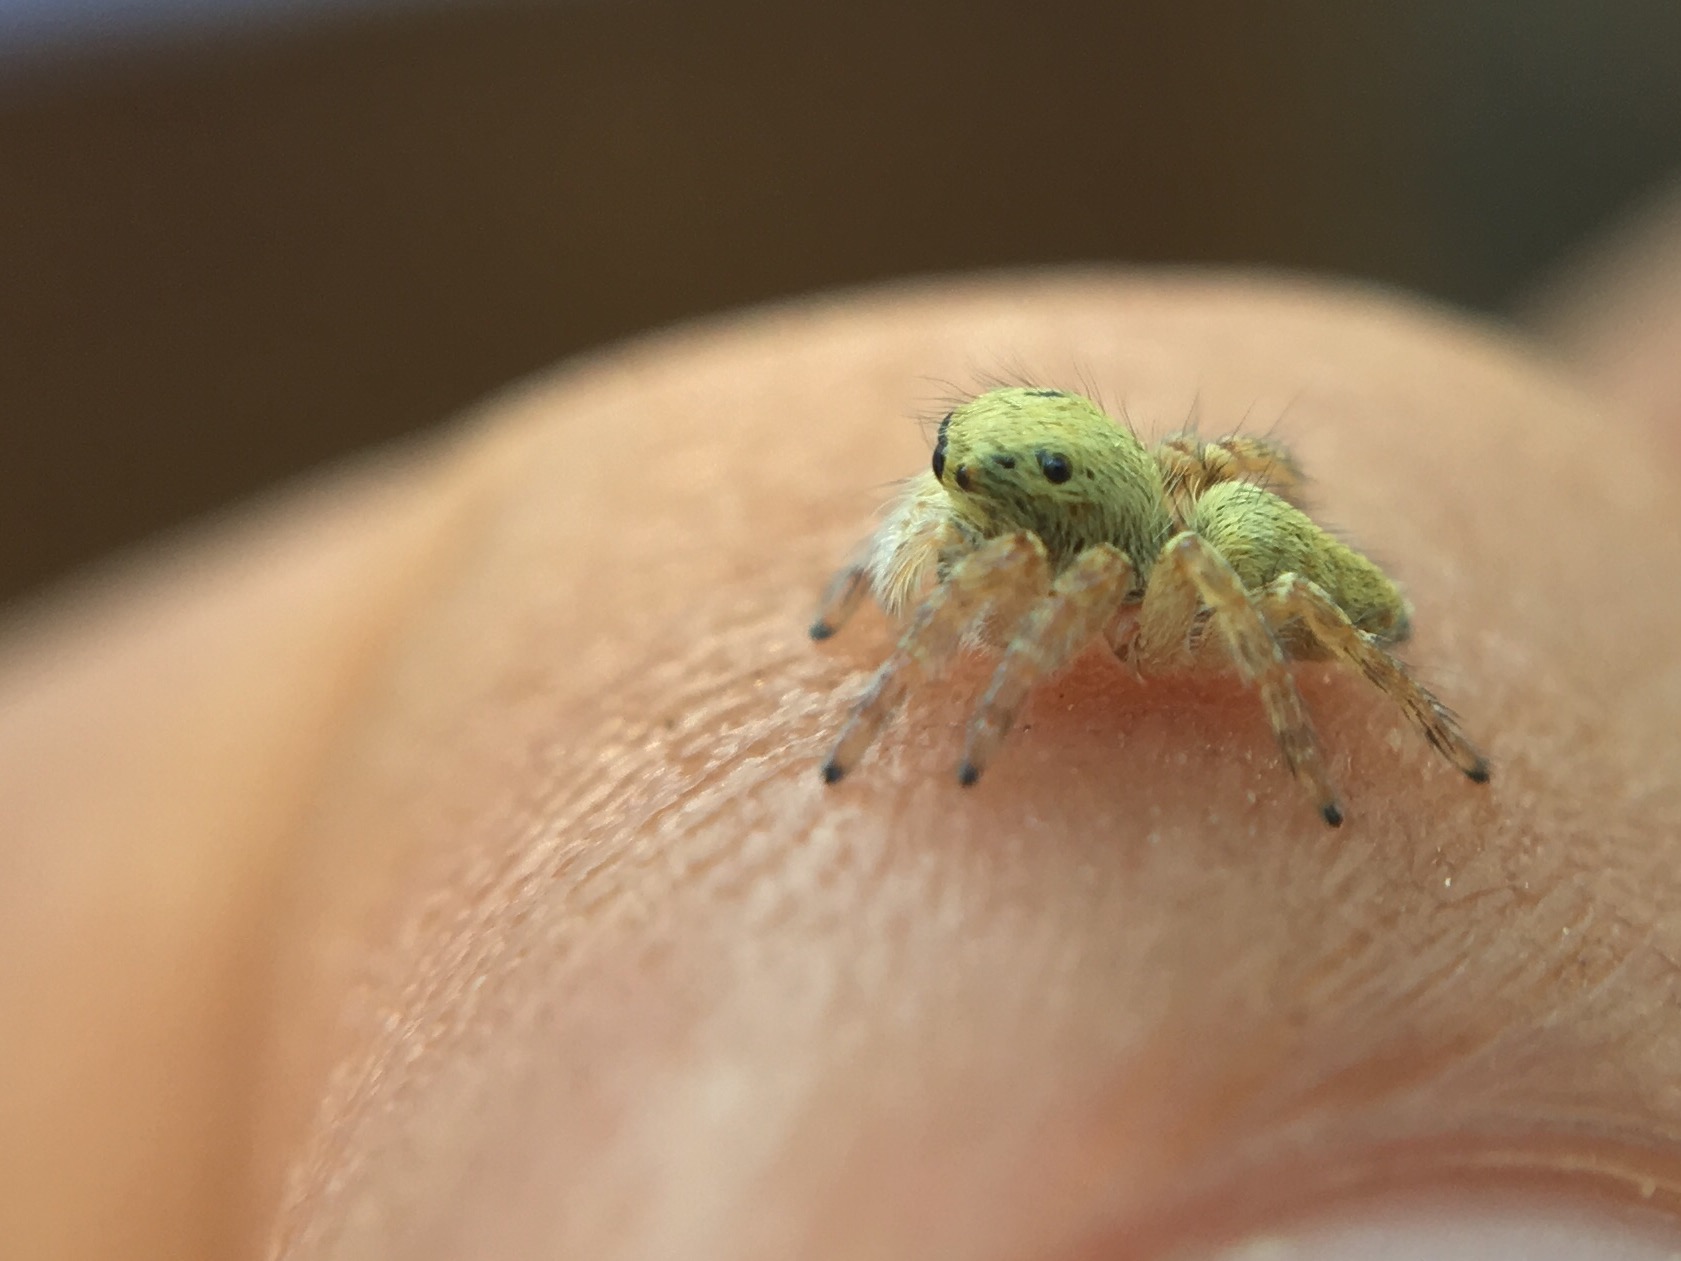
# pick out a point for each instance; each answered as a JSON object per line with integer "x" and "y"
{"x": 434, "y": 862}
{"x": 1613, "y": 311}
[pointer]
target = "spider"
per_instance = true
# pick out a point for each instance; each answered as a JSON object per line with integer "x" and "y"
{"x": 1043, "y": 525}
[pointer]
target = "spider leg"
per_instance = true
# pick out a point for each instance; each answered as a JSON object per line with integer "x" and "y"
{"x": 997, "y": 578}
{"x": 1264, "y": 461}
{"x": 1121, "y": 634}
{"x": 1293, "y": 599}
{"x": 841, "y": 598}
{"x": 916, "y": 535}
{"x": 1190, "y": 466}
{"x": 1190, "y": 575}
{"x": 1082, "y": 602}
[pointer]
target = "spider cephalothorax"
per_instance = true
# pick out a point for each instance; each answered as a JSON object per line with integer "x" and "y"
{"x": 1041, "y": 525}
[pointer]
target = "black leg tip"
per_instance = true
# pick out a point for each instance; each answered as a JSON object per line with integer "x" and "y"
{"x": 821, "y": 630}
{"x": 832, "y": 772}
{"x": 1478, "y": 774}
{"x": 968, "y": 773}
{"x": 1333, "y": 814}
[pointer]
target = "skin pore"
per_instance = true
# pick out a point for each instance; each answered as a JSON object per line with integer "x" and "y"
{"x": 434, "y": 863}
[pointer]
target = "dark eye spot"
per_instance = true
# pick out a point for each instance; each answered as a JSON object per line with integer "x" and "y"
{"x": 940, "y": 448}
{"x": 1056, "y": 468}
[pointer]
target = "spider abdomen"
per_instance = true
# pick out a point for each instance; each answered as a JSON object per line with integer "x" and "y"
{"x": 1263, "y": 538}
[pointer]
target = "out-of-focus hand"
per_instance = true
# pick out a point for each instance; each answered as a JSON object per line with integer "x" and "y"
{"x": 435, "y": 863}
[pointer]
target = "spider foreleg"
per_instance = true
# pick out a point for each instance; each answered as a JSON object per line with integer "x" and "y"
{"x": 1293, "y": 599}
{"x": 997, "y": 579}
{"x": 1081, "y": 604}
{"x": 841, "y": 598}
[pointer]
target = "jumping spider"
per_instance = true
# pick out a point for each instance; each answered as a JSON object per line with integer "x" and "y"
{"x": 1044, "y": 525}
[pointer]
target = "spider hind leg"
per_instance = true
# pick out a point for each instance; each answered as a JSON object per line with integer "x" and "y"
{"x": 1292, "y": 601}
{"x": 1191, "y": 465}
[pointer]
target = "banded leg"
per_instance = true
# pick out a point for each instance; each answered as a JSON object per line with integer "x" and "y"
{"x": 841, "y": 598}
{"x": 1189, "y": 569}
{"x": 1000, "y": 576}
{"x": 910, "y": 542}
{"x": 1190, "y": 466}
{"x": 1082, "y": 603}
{"x": 1173, "y": 605}
{"x": 1293, "y": 598}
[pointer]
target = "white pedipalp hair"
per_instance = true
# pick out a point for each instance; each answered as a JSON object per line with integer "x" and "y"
{"x": 901, "y": 555}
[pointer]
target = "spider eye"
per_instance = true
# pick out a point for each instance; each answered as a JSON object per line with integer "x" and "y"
{"x": 940, "y": 449}
{"x": 1056, "y": 468}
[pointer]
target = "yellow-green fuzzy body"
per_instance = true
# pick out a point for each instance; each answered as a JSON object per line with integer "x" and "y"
{"x": 1262, "y": 538}
{"x": 991, "y": 461}
{"x": 993, "y": 451}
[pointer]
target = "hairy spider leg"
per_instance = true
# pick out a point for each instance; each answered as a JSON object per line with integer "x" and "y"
{"x": 1190, "y": 466}
{"x": 996, "y": 580}
{"x": 1082, "y": 603}
{"x": 1191, "y": 575}
{"x": 1293, "y": 599}
{"x": 846, "y": 590}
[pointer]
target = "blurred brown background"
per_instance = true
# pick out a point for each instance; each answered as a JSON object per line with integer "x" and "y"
{"x": 229, "y": 256}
